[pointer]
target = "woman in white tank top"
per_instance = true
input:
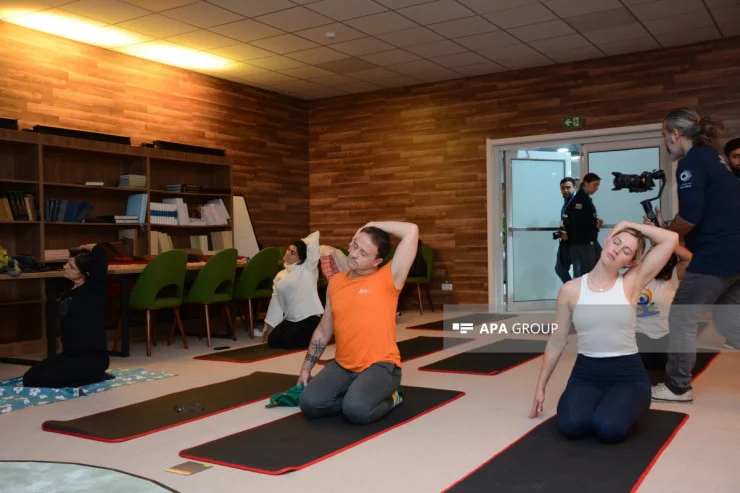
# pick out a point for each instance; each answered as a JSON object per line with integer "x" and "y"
{"x": 608, "y": 389}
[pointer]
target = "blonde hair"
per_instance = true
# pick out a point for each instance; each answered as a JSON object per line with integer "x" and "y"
{"x": 641, "y": 243}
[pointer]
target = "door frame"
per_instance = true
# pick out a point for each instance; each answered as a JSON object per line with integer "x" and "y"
{"x": 496, "y": 188}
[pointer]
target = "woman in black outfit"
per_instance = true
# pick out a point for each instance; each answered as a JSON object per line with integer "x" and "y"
{"x": 84, "y": 357}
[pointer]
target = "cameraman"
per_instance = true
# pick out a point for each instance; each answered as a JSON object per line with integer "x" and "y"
{"x": 562, "y": 261}
{"x": 709, "y": 220}
{"x": 582, "y": 227}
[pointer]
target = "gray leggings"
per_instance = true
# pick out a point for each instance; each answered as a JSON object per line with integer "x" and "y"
{"x": 362, "y": 397}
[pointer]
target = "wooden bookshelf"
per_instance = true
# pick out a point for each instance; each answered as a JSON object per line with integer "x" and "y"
{"x": 52, "y": 167}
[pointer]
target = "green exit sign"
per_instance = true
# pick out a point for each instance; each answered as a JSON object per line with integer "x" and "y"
{"x": 570, "y": 122}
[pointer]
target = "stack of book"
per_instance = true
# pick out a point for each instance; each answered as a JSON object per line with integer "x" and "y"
{"x": 132, "y": 181}
{"x": 182, "y": 187}
{"x": 18, "y": 206}
{"x": 56, "y": 256}
{"x": 161, "y": 213}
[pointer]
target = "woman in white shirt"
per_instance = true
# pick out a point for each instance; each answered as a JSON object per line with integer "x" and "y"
{"x": 295, "y": 308}
{"x": 653, "y": 307}
{"x": 609, "y": 388}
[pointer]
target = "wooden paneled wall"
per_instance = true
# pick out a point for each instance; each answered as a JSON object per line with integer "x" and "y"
{"x": 418, "y": 154}
{"x": 47, "y": 80}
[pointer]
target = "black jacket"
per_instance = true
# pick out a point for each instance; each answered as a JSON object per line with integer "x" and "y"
{"x": 581, "y": 220}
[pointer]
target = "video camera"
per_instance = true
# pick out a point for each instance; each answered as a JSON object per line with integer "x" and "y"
{"x": 643, "y": 182}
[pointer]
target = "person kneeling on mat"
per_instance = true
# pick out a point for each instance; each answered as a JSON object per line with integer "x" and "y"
{"x": 609, "y": 388}
{"x": 364, "y": 379}
{"x": 653, "y": 307}
{"x": 295, "y": 308}
{"x": 84, "y": 358}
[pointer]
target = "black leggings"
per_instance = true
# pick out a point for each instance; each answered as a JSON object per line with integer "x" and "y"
{"x": 293, "y": 335}
{"x": 604, "y": 397}
{"x": 63, "y": 370}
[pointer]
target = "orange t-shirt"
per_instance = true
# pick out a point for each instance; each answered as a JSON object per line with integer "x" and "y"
{"x": 364, "y": 311}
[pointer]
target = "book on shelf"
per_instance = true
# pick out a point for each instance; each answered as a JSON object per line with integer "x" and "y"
{"x": 18, "y": 205}
{"x": 66, "y": 211}
{"x": 132, "y": 181}
{"x": 182, "y": 187}
{"x": 136, "y": 206}
{"x": 93, "y": 183}
{"x": 159, "y": 242}
{"x": 161, "y": 213}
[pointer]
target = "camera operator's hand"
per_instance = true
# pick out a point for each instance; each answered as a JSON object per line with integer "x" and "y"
{"x": 658, "y": 215}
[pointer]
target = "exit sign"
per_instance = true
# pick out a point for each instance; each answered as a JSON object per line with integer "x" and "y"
{"x": 570, "y": 122}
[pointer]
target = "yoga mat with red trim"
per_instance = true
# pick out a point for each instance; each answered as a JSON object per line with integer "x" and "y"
{"x": 296, "y": 442}
{"x": 474, "y": 318}
{"x": 491, "y": 359}
{"x": 543, "y": 461}
{"x": 248, "y": 354}
{"x": 153, "y": 415}
{"x": 422, "y": 346}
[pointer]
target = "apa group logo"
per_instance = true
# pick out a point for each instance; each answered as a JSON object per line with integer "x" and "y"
{"x": 685, "y": 175}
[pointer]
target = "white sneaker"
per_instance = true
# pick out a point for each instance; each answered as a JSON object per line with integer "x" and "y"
{"x": 661, "y": 393}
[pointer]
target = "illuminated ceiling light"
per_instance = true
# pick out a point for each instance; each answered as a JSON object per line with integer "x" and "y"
{"x": 563, "y": 149}
{"x": 74, "y": 28}
{"x": 179, "y": 56}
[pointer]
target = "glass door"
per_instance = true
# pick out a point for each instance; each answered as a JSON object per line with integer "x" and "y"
{"x": 631, "y": 158}
{"x": 533, "y": 205}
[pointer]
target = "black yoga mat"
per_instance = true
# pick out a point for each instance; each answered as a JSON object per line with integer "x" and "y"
{"x": 423, "y": 346}
{"x": 143, "y": 418}
{"x": 295, "y": 442}
{"x": 703, "y": 358}
{"x": 492, "y": 358}
{"x": 543, "y": 461}
{"x": 473, "y": 318}
{"x": 248, "y": 354}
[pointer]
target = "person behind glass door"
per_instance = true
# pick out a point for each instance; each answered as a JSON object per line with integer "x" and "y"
{"x": 562, "y": 260}
{"x": 84, "y": 358}
{"x": 582, "y": 227}
{"x": 609, "y": 388}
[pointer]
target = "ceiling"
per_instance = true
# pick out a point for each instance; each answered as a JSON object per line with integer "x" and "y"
{"x": 282, "y": 45}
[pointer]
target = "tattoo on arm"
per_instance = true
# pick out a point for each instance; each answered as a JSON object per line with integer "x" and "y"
{"x": 315, "y": 351}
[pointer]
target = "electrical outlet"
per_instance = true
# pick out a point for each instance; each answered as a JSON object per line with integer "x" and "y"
{"x": 446, "y": 287}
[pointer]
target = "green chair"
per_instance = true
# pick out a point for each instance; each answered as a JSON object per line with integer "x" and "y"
{"x": 255, "y": 281}
{"x": 428, "y": 254}
{"x": 214, "y": 286}
{"x": 160, "y": 286}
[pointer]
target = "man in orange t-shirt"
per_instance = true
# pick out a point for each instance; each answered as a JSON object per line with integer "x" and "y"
{"x": 363, "y": 380}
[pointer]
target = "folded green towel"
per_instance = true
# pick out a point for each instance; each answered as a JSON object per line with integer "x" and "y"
{"x": 288, "y": 398}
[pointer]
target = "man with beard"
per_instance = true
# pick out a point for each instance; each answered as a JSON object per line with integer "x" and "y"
{"x": 732, "y": 151}
{"x": 709, "y": 220}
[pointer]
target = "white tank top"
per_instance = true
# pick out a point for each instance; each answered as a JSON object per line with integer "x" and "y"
{"x": 605, "y": 321}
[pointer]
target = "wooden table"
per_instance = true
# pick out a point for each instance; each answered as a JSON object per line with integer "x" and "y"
{"x": 54, "y": 281}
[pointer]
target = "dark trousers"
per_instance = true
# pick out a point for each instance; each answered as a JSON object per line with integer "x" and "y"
{"x": 653, "y": 352}
{"x": 64, "y": 370}
{"x": 696, "y": 294}
{"x": 604, "y": 397}
{"x": 362, "y": 398}
{"x": 293, "y": 335}
{"x": 562, "y": 262}
{"x": 584, "y": 258}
